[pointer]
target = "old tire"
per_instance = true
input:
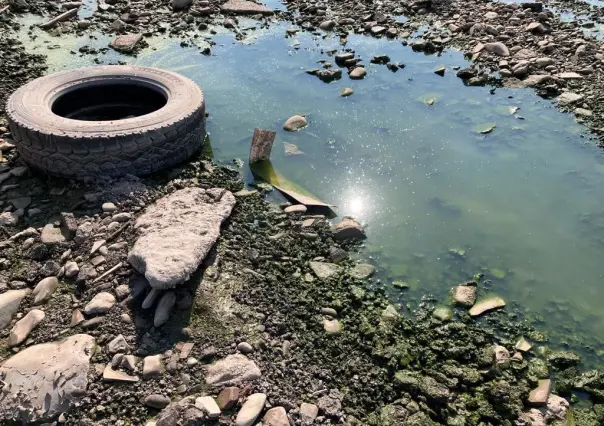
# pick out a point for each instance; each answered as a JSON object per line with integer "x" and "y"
{"x": 50, "y": 120}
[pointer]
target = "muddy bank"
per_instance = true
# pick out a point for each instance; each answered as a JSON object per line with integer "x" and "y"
{"x": 279, "y": 298}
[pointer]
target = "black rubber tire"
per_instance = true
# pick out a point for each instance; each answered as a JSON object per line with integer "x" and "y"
{"x": 87, "y": 149}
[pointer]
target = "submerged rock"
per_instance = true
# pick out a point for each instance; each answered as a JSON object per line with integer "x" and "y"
{"x": 177, "y": 232}
{"x": 32, "y": 377}
{"x": 486, "y": 305}
{"x": 465, "y": 294}
{"x": 362, "y": 271}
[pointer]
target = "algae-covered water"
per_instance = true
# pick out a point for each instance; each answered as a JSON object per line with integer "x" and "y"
{"x": 407, "y": 155}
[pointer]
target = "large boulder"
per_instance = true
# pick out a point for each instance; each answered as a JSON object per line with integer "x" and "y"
{"x": 44, "y": 380}
{"x": 177, "y": 232}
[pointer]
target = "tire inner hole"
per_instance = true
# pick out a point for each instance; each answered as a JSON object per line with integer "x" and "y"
{"x": 108, "y": 102}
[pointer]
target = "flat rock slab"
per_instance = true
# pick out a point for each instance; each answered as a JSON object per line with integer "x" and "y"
{"x": 325, "y": 270}
{"x": 487, "y": 305}
{"x": 176, "y": 234}
{"x": 243, "y": 7}
{"x": 232, "y": 370}
{"x": 46, "y": 378}
{"x": 540, "y": 394}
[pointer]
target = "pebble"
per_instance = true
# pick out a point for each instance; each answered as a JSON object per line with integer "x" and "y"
{"x": 245, "y": 348}
{"x": 152, "y": 366}
{"x": 76, "y": 318}
{"x": 156, "y": 400}
{"x": 208, "y": 406}
{"x": 100, "y": 304}
{"x": 109, "y": 207}
{"x": 71, "y": 269}
{"x": 308, "y": 413}
{"x": 497, "y": 48}
{"x": 276, "y": 416}
{"x": 24, "y": 326}
{"x": 296, "y": 208}
{"x": 118, "y": 345}
{"x": 192, "y": 361}
{"x": 329, "y": 311}
{"x": 44, "y": 290}
{"x": 228, "y": 397}
{"x": 96, "y": 246}
{"x": 332, "y": 326}
{"x": 250, "y": 410}
{"x": 122, "y": 217}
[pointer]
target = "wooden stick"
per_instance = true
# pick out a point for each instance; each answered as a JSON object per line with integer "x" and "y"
{"x": 109, "y": 272}
{"x": 62, "y": 17}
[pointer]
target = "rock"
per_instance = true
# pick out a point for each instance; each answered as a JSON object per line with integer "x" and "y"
{"x": 69, "y": 224}
{"x": 276, "y": 416}
{"x": 126, "y": 43}
{"x": 44, "y": 290}
{"x": 232, "y": 370}
{"x": 329, "y": 312}
{"x": 250, "y": 410}
{"x": 24, "y": 326}
{"x": 156, "y": 400}
{"x": 118, "y": 345}
{"x": 71, "y": 269}
{"x": 581, "y": 112}
{"x": 244, "y": 7}
{"x": 332, "y": 326}
{"x": 21, "y": 203}
{"x": 295, "y": 123}
{"x": 540, "y": 394}
{"x": 296, "y": 208}
{"x": 520, "y": 69}
{"x": 497, "y": 48}
{"x": 337, "y": 254}
{"x": 501, "y": 356}
{"x": 96, "y": 246}
{"x": 348, "y": 228}
{"x": 228, "y": 397}
{"x": 208, "y": 406}
{"x": 568, "y": 98}
{"x": 486, "y": 305}
{"x": 111, "y": 375}
{"x": 9, "y": 305}
{"x": 491, "y": 15}
{"x": 176, "y": 234}
{"x": 10, "y": 218}
{"x": 327, "y": 25}
{"x": 537, "y": 28}
{"x": 563, "y": 359}
{"x": 347, "y": 91}
{"x": 164, "y": 308}
{"x": 569, "y": 76}
{"x": 331, "y": 404}
{"x": 121, "y": 217}
{"x": 183, "y": 413}
{"x": 76, "y": 318}
{"x": 129, "y": 362}
{"x": 122, "y": 291}
{"x": 31, "y": 375}
{"x": 557, "y": 408}
{"x": 118, "y": 25}
{"x": 150, "y": 298}
{"x": 100, "y": 304}
{"x": 324, "y": 270}
{"x": 357, "y": 73}
{"x": 544, "y": 62}
{"x": 180, "y": 5}
{"x": 523, "y": 345}
{"x": 308, "y": 413}
{"x": 440, "y": 70}
{"x": 532, "y": 417}
{"x": 108, "y": 207}
{"x": 362, "y": 271}
{"x": 245, "y": 348}
{"x": 443, "y": 313}
{"x": 464, "y": 295}
{"x": 152, "y": 366}
{"x": 341, "y": 58}
{"x": 377, "y": 30}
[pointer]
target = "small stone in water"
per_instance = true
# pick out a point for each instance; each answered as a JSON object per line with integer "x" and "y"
{"x": 498, "y": 273}
{"x": 523, "y": 345}
{"x": 347, "y": 91}
{"x": 295, "y": 123}
{"x": 440, "y": 70}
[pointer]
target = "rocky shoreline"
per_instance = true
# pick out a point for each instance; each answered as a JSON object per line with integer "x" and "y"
{"x": 278, "y": 324}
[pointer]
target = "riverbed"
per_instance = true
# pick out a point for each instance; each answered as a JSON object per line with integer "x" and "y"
{"x": 450, "y": 180}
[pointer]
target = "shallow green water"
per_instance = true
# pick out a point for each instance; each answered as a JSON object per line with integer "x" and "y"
{"x": 522, "y": 203}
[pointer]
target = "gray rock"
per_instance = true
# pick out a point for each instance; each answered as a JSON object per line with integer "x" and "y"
{"x": 51, "y": 235}
{"x": 24, "y": 326}
{"x": 156, "y": 401}
{"x": 122, "y": 291}
{"x": 109, "y": 207}
{"x": 44, "y": 290}
{"x": 32, "y": 376}
{"x": 100, "y": 304}
{"x": 126, "y": 43}
{"x": 118, "y": 345}
{"x": 122, "y": 217}
{"x": 182, "y": 413}
{"x": 325, "y": 270}
{"x": 69, "y": 224}
{"x": 245, "y": 348}
{"x": 357, "y": 73}
{"x": 331, "y": 404}
{"x": 497, "y": 48}
{"x": 327, "y": 25}
{"x": 9, "y": 305}
{"x": 176, "y": 234}
{"x": 232, "y": 370}
{"x": 362, "y": 271}
{"x": 276, "y": 416}
{"x": 540, "y": 395}
{"x": 250, "y": 410}
{"x": 348, "y": 228}
{"x": 152, "y": 366}
{"x": 111, "y": 375}
{"x": 164, "y": 308}
{"x": 11, "y": 218}
{"x": 568, "y": 98}
{"x": 71, "y": 269}
{"x": 308, "y": 413}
